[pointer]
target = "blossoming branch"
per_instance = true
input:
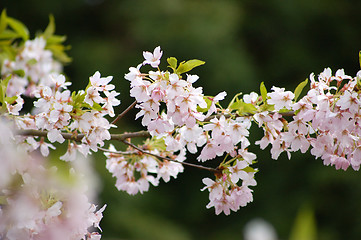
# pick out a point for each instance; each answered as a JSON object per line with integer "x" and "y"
{"x": 177, "y": 118}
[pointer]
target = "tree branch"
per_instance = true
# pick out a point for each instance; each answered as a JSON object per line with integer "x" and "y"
{"x": 124, "y": 112}
{"x": 215, "y": 170}
{"x": 118, "y": 137}
{"x": 284, "y": 114}
{"x": 79, "y": 137}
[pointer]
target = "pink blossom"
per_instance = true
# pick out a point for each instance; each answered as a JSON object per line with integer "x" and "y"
{"x": 280, "y": 98}
{"x": 153, "y": 58}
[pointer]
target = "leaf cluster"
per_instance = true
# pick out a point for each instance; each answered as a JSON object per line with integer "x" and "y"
{"x": 14, "y": 34}
{"x": 184, "y": 66}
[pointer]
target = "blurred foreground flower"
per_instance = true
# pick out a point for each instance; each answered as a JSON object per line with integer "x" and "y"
{"x": 42, "y": 202}
{"x": 259, "y": 229}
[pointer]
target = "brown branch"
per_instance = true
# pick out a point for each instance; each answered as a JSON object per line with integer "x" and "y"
{"x": 79, "y": 137}
{"x": 118, "y": 137}
{"x": 124, "y": 112}
{"x": 215, "y": 170}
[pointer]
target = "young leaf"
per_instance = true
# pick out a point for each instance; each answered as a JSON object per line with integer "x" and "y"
{"x": 55, "y": 39}
{"x": 3, "y": 23}
{"x": 305, "y": 226}
{"x": 245, "y": 108}
{"x": 299, "y": 88}
{"x": 11, "y": 100}
{"x": 58, "y": 51}
{"x": 189, "y": 65}
{"x": 263, "y": 91}
{"x": 97, "y": 107}
{"x": 235, "y": 104}
{"x": 172, "y": 63}
{"x": 234, "y": 99}
{"x": 8, "y": 34}
{"x": 208, "y": 101}
{"x": 3, "y": 86}
{"x": 78, "y": 98}
{"x": 249, "y": 169}
{"x": 5, "y": 42}
{"x": 50, "y": 29}
{"x": 19, "y": 72}
{"x": 18, "y": 27}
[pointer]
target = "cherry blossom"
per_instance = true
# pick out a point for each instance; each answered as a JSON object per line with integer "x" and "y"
{"x": 280, "y": 98}
{"x": 153, "y": 58}
{"x": 177, "y": 116}
{"x": 37, "y": 63}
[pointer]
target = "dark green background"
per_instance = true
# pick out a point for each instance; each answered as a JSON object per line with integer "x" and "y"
{"x": 243, "y": 43}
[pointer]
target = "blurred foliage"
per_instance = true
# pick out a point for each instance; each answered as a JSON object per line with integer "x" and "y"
{"x": 304, "y": 227}
{"x": 243, "y": 44}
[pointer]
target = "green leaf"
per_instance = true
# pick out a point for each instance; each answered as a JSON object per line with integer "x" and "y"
{"x": 8, "y": 34}
{"x": 19, "y": 72}
{"x": 234, "y": 99}
{"x": 8, "y": 52}
{"x": 32, "y": 62}
{"x": 88, "y": 86}
{"x": 50, "y": 29}
{"x": 304, "y": 227}
{"x": 155, "y": 143}
{"x": 189, "y": 65}
{"x": 244, "y": 108}
{"x": 55, "y": 39}
{"x": 18, "y": 27}
{"x": 97, "y": 107}
{"x": 78, "y": 98}
{"x": 58, "y": 51}
{"x": 208, "y": 101}
{"x": 299, "y": 88}
{"x": 263, "y": 91}
{"x": 5, "y": 42}
{"x": 249, "y": 169}
{"x": 172, "y": 63}
{"x": 3, "y": 23}
{"x": 3, "y": 85}
{"x": 235, "y": 104}
{"x": 11, "y": 100}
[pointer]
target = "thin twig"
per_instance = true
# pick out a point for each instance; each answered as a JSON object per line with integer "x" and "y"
{"x": 284, "y": 114}
{"x": 118, "y": 152}
{"x": 169, "y": 159}
{"x": 124, "y": 112}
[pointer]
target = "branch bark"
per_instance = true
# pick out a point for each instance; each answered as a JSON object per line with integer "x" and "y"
{"x": 79, "y": 137}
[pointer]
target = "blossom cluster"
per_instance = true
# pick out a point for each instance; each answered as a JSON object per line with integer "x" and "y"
{"x": 35, "y": 204}
{"x": 179, "y": 119}
{"x": 135, "y": 171}
{"x": 174, "y": 110}
{"x": 57, "y": 110}
{"x": 326, "y": 119}
{"x": 224, "y": 193}
{"x": 31, "y": 67}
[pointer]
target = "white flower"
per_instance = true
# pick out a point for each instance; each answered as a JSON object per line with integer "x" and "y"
{"x": 280, "y": 99}
{"x": 153, "y": 58}
{"x": 54, "y": 135}
{"x": 250, "y": 98}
